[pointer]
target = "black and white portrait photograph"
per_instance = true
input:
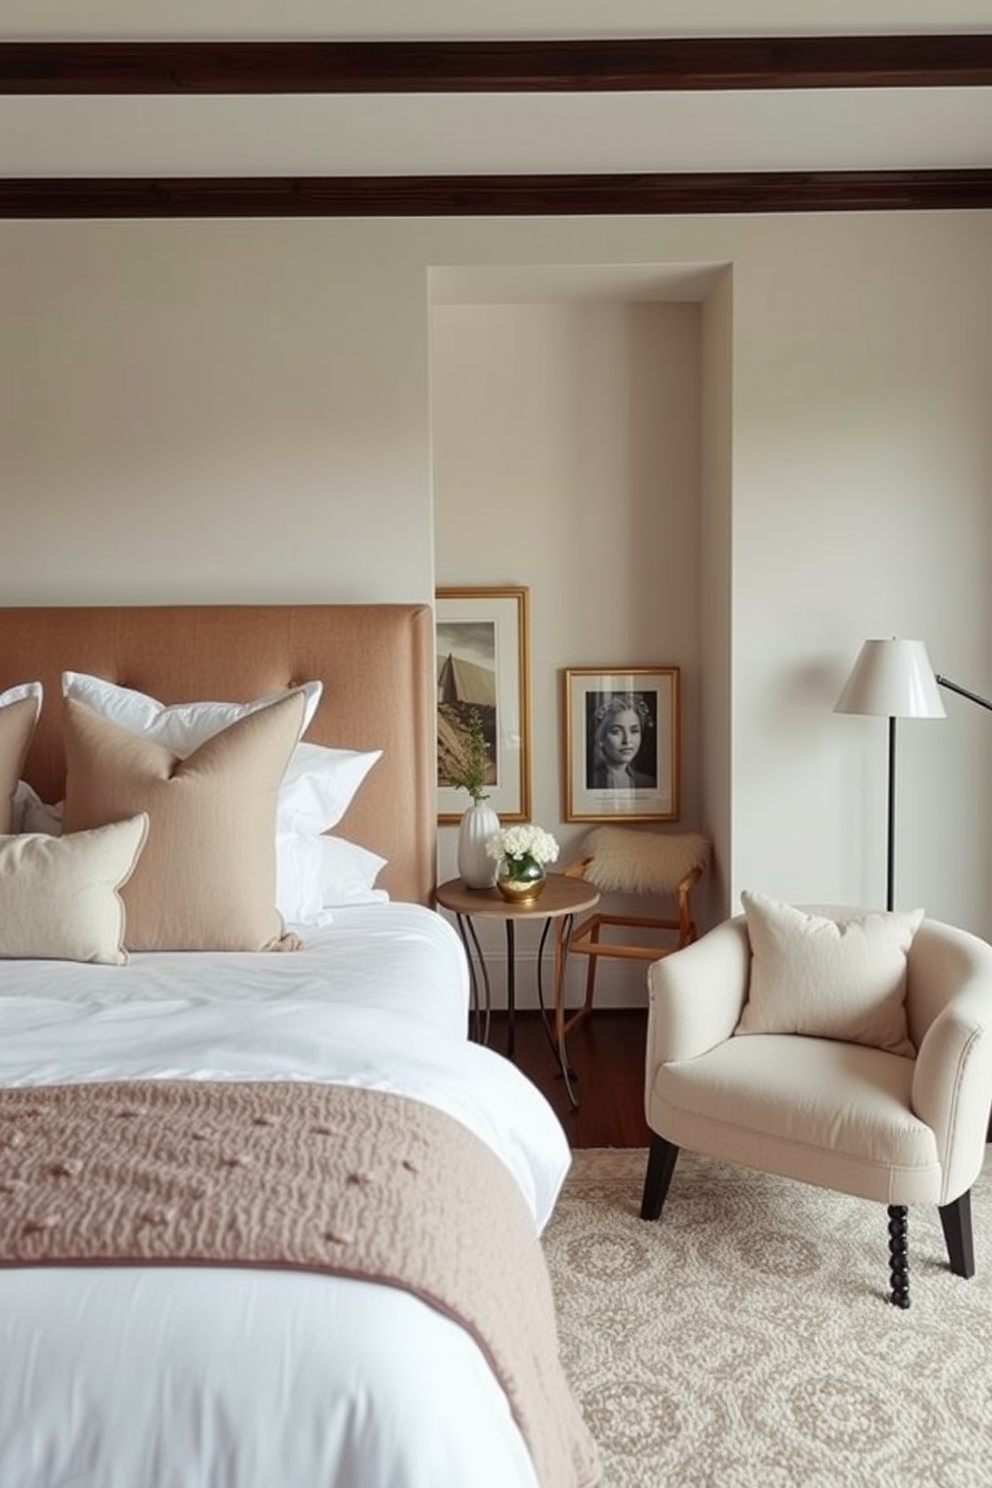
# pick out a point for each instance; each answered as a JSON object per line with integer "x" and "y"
{"x": 621, "y": 740}
{"x": 621, "y": 746}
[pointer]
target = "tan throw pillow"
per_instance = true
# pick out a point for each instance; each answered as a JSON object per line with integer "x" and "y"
{"x": 207, "y": 878}
{"x": 19, "y": 707}
{"x": 828, "y": 978}
{"x": 59, "y": 896}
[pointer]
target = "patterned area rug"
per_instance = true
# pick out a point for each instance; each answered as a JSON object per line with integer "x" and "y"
{"x": 745, "y": 1339}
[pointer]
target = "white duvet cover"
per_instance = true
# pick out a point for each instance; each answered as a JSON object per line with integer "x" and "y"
{"x": 186, "y": 1377}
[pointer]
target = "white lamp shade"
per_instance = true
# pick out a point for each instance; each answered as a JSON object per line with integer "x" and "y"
{"x": 892, "y": 677}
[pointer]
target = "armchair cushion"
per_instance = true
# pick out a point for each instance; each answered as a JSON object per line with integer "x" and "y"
{"x": 841, "y": 978}
{"x": 820, "y": 1110}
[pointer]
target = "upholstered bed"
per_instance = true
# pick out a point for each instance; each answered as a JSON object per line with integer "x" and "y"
{"x": 308, "y": 1082}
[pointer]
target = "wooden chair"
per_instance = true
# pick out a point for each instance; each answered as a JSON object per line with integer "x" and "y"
{"x": 662, "y": 865}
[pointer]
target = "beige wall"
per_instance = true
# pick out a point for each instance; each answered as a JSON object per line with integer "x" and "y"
{"x": 211, "y": 411}
{"x": 862, "y": 469}
{"x": 716, "y": 587}
{"x": 359, "y": 18}
{"x": 567, "y": 442}
{"x": 566, "y": 457}
{"x": 243, "y": 410}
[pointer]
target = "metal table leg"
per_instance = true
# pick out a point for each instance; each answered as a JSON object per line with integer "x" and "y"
{"x": 470, "y": 941}
{"x": 511, "y": 990}
{"x": 557, "y": 1039}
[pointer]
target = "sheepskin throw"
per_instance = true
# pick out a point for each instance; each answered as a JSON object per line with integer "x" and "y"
{"x": 627, "y": 861}
{"x": 354, "y": 1182}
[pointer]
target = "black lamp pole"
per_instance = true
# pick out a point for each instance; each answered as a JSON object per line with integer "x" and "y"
{"x": 894, "y": 678}
{"x": 965, "y": 692}
{"x": 973, "y": 697}
{"x": 891, "y": 852}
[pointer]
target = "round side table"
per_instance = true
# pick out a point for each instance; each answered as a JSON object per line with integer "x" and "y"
{"x": 561, "y": 900}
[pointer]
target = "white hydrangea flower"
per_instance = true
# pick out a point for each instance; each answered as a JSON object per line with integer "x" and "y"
{"x": 520, "y": 842}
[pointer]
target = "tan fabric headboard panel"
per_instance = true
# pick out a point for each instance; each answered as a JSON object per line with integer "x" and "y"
{"x": 376, "y": 663}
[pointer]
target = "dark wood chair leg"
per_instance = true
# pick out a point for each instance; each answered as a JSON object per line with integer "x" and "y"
{"x": 955, "y": 1221}
{"x": 661, "y": 1165}
{"x": 898, "y": 1255}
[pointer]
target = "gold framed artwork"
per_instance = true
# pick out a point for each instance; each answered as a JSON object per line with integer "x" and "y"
{"x": 483, "y": 646}
{"x": 621, "y": 744}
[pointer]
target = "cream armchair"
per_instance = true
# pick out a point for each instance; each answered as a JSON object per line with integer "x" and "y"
{"x": 879, "y": 1125}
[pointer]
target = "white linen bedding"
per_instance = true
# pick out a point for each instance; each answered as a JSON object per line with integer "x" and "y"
{"x": 183, "y": 1377}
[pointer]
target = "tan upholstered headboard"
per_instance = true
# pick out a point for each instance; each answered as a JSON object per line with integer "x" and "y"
{"x": 376, "y": 663}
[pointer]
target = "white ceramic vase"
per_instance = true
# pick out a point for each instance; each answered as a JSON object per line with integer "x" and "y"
{"x": 476, "y": 869}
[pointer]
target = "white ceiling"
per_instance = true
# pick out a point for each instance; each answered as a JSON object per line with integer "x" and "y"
{"x": 866, "y": 129}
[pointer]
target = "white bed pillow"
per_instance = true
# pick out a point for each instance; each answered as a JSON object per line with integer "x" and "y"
{"x": 319, "y": 782}
{"x": 19, "y": 709}
{"x": 842, "y": 978}
{"x": 59, "y": 896}
{"x": 316, "y": 874}
{"x": 32, "y": 814}
{"x": 181, "y": 727}
{"x": 348, "y": 872}
{"x": 20, "y": 691}
{"x": 319, "y": 785}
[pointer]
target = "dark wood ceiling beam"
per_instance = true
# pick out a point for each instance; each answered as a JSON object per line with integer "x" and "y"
{"x": 497, "y": 196}
{"x": 573, "y": 66}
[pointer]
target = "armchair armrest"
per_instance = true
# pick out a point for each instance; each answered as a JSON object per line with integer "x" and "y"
{"x": 696, "y": 995}
{"x": 951, "y": 1082}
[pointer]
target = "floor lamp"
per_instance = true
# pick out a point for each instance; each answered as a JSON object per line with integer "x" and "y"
{"x": 894, "y": 679}
{"x": 965, "y": 692}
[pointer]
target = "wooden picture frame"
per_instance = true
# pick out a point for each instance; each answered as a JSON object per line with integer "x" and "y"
{"x": 628, "y": 771}
{"x": 483, "y": 647}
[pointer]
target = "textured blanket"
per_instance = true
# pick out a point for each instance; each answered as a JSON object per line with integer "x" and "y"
{"x": 328, "y": 1178}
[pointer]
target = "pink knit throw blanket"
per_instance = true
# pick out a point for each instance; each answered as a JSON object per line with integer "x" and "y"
{"x": 327, "y": 1178}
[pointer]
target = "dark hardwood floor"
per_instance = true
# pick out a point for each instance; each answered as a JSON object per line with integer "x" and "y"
{"x": 606, "y": 1051}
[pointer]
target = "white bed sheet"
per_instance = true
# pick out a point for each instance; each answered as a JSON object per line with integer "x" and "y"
{"x": 185, "y": 1377}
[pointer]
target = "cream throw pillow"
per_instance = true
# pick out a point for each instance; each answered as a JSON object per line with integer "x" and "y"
{"x": 838, "y": 979}
{"x": 19, "y": 708}
{"x": 59, "y": 896}
{"x": 207, "y": 878}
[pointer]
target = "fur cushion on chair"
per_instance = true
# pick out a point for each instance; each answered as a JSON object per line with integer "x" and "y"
{"x": 631, "y": 862}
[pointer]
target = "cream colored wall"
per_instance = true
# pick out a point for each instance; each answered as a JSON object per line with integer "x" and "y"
{"x": 862, "y": 471}
{"x": 211, "y": 411}
{"x": 716, "y": 587}
{"x": 391, "y": 18}
{"x": 566, "y": 452}
{"x": 566, "y": 443}
{"x": 242, "y": 410}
